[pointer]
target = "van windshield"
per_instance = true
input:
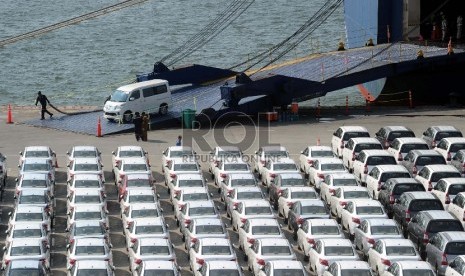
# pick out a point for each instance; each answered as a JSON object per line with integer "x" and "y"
{"x": 119, "y": 96}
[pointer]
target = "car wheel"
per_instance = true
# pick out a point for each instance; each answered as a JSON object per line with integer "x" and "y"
{"x": 127, "y": 117}
{"x": 163, "y": 109}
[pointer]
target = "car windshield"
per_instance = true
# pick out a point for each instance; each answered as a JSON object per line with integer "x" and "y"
{"x": 354, "y": 134}
{"x": 384, "y": 230}
{"x": 400, "y": 251}
{"x": 149, "y": 229}
{"x": 405, "y": 148}
{"x": 200, "y": 211}
{"x": 223, "y": 272}
{"x": 33, "y": 183}
{"x": 358, "y": 272}
{"x": 339, "y": 251}
{"x": 186, "y": 167}
{"x": 25, "y": 271}
{"x": 363, "y": 146}
{"x": 236, "y": 167}
{"x": 135, "y": 167}
{"x": 28, "y": 167}
{"x": 37, "y": 154}
{"x": 209, "y": 229}
{"x": 408, "y": 187}
{"x": 313, "y": 210}
{"x": 31, "y": 199}
{"x": 436, "y": 226}
{"x": 90, "y": 250}
{"x": 275, "y": 155}
{"x": 356, "y": 194}
{"x": 258, "y": 210}
{"x": 86, "y": 167}
{"x": 381, "y": 160}
{"x": 332, "y": 167}
{"x": 325, "y": 230}
{"x": 284, "y": 167}
{"x": 249, "y": 195}
{"x": 445, "y": 134}
{"x": 385, "y": 176}
{"x": 88, "y": 215}
{"x": 276, "y": 250}
{"x": 29, "y": 217}
{"x": 292, "y": 182}
{"x": 162, "y": 272}
{"x": 130, "y": 153}
{"x": 243, "y": 182}
{"x": 144, "y": 213}
{"x": 190, "y": 183}
{"x": 92, "y": 272}
{"x": 430, "y": 160}
{"x": 141, "y": 199}
{"x": 439, "y": 175}
{"x": 424, "y": 205}
{"x": 87, "y": 199}
{"x": 344, "y": 182}
{"x": 154, "y": 250}
{"x": 369, "y": 210}
{"x": 195, "y": 196}
{"x": 139, "y": 183}
{"x": 400, "y": 134}
{"x": 119, "y": 96}
{"x": 288, "y": 272}
{"x": 455, "y": 248}
{"x": 86, "y": 184}
{"x": 25, "y": 250}
{"x": 84, "y": 153}
{"x": 416, "y": 272}
{"x": 180, "y": 153}
{"x": 456, "y": 147}
{"x": 89, "y": 230}
{"x": 304, "y": 195}
{"x": 322, "y": 153}
{"x": 27, "y": 233}
{"x": 454, "y": 189}
{"x": 265, "y": 230}
{"x": 216, "y": 250}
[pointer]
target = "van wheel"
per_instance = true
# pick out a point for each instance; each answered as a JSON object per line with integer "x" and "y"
{"x": 127, "y": 117}
{"x": 163, "y": 109}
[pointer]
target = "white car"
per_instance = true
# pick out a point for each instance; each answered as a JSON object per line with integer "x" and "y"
{"x": 38, "y": 165}
{"x": 448, "y": 147}
{"x": 343, "y": 134}
{"x": 185, "y": 181}
{"x": 371, "y": 230}
{"x": 154, "y": 267}
{"x": 88, "y": 229}
{"x": 26, "y": 249}
{"x": 234, "y": 180}
{"x": 90, "y": 181}
{"x": 222, "y": 168}
{"x": 310, "y": 154}
{"x": 123, "y": 152}
{"x": 131, "y": 166}
{"x": 86, "y": 212}
{"x": 30, "y": 214}
{"x": 258, "y": 228}
{"x": 429, "y": 175}
{"x": 96, "y": 267}
{"x": 90, "y": 249}
{"x": 366, "y": 160}
{"x": 354, "y": 146}
{"x": 85, "y": 166}
{"x": 236, "y": 195}
{"x": 35, "y": 181}
{"x": 145, "y": 249}
{"x": 3, "y": 170}
{"x": 136, "y": 196}
{"x": 457, "y": 207}
{"x": 400, "y": 147}
{"x": 178, "y": 167}
{"x": 196, "y": 209}
{"x": 434, "y": 134}
{"x": 38, "y": 152}
{"x": 249, "y": 209}
{"x": 455, "y": 268}
{"x": 146, "y": 228}
{"x": 227, "y": 268}
{"x": 316, "y": 229}
{"x": 358, "y": 210}
{"x": 267, "y": 249}
{"x": 356, "y": 268}
{"x": 275, "y": 167}
{"x": 387, "y": 251}
{"x": 280, "y": 267}
{"x": 323, "y": 167}
{"x": 379, "y": 174}
{"x": 267, "y": 153}
{"x": 209, "y": 249}
{"x": 447, "y": 188}
{"x": 292, "y": 194}
{"x": 223, "y": 153}
{"x": 344, "y": 194}
{"x": 182, "y": 153}
{"x": 83, "y": 196}
{"x": 29, "y": 231}
{"x": 35, "y": 197}
{"x": 140, "y": 210}
{"x": 327, "y": 251}
{"x": 83, "y": 152}
{"x": 184, "y": 195}
{"x": 203, "y": 228}
{"x": 332, "y": 181}
{"x": 303, "y": 210}
{"x": 404, "y": 268}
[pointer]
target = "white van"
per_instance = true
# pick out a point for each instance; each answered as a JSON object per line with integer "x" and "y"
{"x": 152, "y": 96}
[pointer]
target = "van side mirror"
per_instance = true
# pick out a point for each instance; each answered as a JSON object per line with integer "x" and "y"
{"x": 131, "y": 99}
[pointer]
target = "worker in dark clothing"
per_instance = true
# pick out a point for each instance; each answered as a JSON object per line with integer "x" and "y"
{"x": 137, "y": 126}
{"x": 43, "y": 100}
{"x": 145, "y": 126}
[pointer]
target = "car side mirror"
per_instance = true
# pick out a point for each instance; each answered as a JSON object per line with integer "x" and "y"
{"x": 424, "y": 133}
{"x": 67, "y": 165}
{"x": 167, "y": 225}
{"x": 67, "y": 246}
{"x": 397, "y": 200}
{"x": 192, "y": 245}
{"x": 302, "y": 152}
{"x": 7, "y": 232}
{"x": 19, "y": 166}
{"x": 10, "y": 213}
{"x": 414, "y": 220}
{"x": 16, "y": 179}
{"x": 383, "y": 187}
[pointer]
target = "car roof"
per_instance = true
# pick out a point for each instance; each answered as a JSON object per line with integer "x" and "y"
{"x": 290, "y": 176}
{"x": 247, "y": 189}
{"x": 36, "y": 148}
{"x": 182, "y": 161}
{"x": 207, "y": 221}
{"x": 398, "y": 242}
{"x": 94, "y": 264}
{"x": 312, "y": 148}
{"x": 322, "y": 222}
{"x": 366, "y": 202}
{"x": 132, "y": 176}
{"x": 36, "y": 160}
{"x": 273, "y": 148}
{"x": 223, "y": 264}
{"x": 29, "y": 209}
{"x": 426, "y": 152}
{"x": 27, "y": 225}
{"x": 353, "y": 128}
{"x": 453, "y": 235}
{"x": 148, "y": 221}
{"x": 140, "y": 192}
{"x": 130, "y": 148}
{"x": 420, "y": 195}
{"x": 189, "y": 176}
{"x": 214, "y": 241}
{"x": 25, "y": 242}
{"x": 410, "y": 140}
{"x": 192, "y": 190}
{"x": 352, "y": 264}
{"x": 134, "y": 160}
{"x": 153, "y": 241}
{"x": 83, "y": 223}
{"x": 391, "y": 168}
{"x": 87, "y": 191}
{"x": 342, "y": 175}
{"x": 376, "y": 152}
{"x": 180, "y": 148}
{"x": 286, "y": 264}
{"x": 453, "y": 140}
{"x": 32, "y": 191}
{"x": 15, "y": 264}
{"x": 87, "y": 207}
{"x": 414, "y": 264}
{"x": 262, "y": 221}
{"x": 142, "y": 206}
{"x": 301, "y": 189}
{"x": 84, "y": 176}
{"x": 403, "y": 180}
{"x": 367, "y": 140}
{"x": 90, "y": 241}
{"x": 85, "y": 148}
{"x": 311, "y": 202}
{"x": 436, "y": 168}
{"x": 454, "y": 180}
{"x": 396, "y": 128}
{"x": 248, "y": 175}
{"x": 377, "y": 222}
{"x": 445, "y": 128}
{"x": 330, "y": 160}
{"x": 39, "y": 176}
{"x": 158, "y": 264}
{"x": 200, "y": 203}
{"x": 438, "y": 214}
{"x": 336, "y": 242}
{"x": 273, "y": 241}
{"x": 255, "y": 202}
{"x": 227, "y": 148}
{"x": 352, "y": 188}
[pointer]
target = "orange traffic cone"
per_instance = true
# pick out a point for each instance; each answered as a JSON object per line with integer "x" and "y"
{"x": 99, "y": 128}
{"x": 9, "y": 117}
{"x": 318, "y": 142}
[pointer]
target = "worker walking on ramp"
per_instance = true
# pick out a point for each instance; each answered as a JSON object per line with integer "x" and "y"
{"x": 43, "y": 100}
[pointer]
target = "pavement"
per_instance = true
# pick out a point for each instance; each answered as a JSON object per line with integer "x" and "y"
{"x": 295, "y": 135}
